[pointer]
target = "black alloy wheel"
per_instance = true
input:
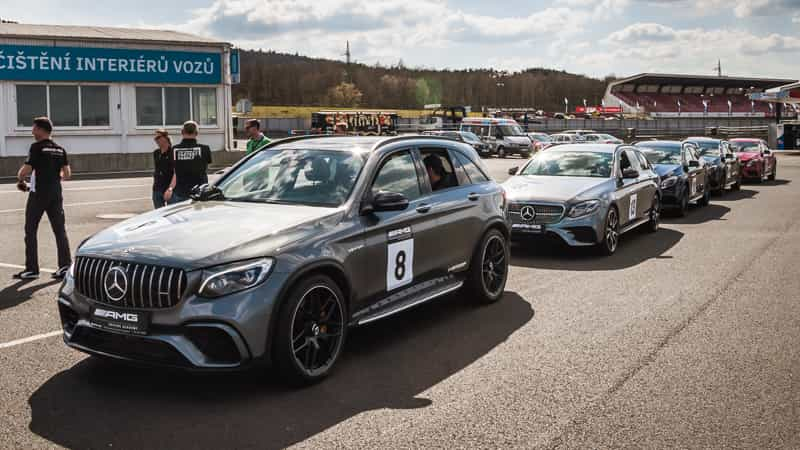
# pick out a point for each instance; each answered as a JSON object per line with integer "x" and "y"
{"x": 610, "y": 233}
{"x": 774, "y": 173}
{"x": 489, "y": 269}
{"x": 311, "y": 331}
{"x": 501, "y": 152}
{"x": 706, "y": 199}
{"x": 655, "y": 215}
{"x": 683, "y": 208}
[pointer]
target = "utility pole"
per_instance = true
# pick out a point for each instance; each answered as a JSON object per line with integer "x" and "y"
{"x": 347, "y": 53}
{"x": 347, "y": 66}
{"x": 718, "y": 68}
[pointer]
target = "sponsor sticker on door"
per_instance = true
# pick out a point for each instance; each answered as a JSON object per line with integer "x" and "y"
{"x": 632, "y": 205}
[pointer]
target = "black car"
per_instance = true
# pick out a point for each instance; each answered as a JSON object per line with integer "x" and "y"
{"x": 467, "y": 137}
{"x": 724, "y": 167}
{"x": 683, "y": 173}
{"x": 290, "y": 248}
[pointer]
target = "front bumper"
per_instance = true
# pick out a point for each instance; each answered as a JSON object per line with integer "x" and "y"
{"x": 227, "y": 333}
{"x": 576, "y": 232}
{"x": 753, "y": 171}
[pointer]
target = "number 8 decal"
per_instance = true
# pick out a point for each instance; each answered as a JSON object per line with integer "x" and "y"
{"x": 399, "y": 264}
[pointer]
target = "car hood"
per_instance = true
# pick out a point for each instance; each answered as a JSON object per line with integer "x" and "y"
{"x": 747, "y": 156}
{"x": 553, "y": 189}
{"x": 667, "y": 170}
{"x": 204, "y": 234}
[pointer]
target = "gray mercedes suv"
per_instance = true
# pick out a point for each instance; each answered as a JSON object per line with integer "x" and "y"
{"x": 291, "y": 247}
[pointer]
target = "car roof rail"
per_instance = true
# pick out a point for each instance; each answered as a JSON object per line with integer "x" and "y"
{"x": 275, "y": 142}
{"x": 407, "y": 137}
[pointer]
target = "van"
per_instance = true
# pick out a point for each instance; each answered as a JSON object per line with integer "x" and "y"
{"x": 504, "y": 136}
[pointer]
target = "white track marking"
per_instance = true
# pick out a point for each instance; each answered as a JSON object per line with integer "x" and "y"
{"x": 29, "y": 339}
{"x": 90, "y": 188}
{"x": 16, "y": 266}
{"x": 121, "y": 200}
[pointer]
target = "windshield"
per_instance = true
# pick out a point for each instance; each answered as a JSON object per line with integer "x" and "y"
{"x": 708, "y": 148}
{"x": 309, "y": 177}
{"x": 745, "y": 147}
{"x": 511, "y": 130}
{"x": 662, "y": 154}
{"x": 539, "y": 137}
{"x": 571, "y": 164}
{"x": 470, "y": 137}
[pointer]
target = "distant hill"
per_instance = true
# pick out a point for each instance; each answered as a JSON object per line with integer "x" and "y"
{"x": 270, "y": 78}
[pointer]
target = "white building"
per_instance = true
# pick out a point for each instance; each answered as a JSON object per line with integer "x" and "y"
{"x": 107, "y": 89}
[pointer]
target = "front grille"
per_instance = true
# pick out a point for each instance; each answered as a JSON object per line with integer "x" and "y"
{"x": 545, "y": 214}
{"x": 147, "y": 287}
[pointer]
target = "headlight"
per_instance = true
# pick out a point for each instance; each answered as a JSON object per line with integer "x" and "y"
{"x": 225, "y": 280}
{"x": 668, "y": 182}
{"x": 584, "y": 208}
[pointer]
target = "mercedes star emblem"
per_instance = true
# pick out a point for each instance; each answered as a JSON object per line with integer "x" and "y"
{"x": 116, "y": 283}
{"x": 527, "y": 213}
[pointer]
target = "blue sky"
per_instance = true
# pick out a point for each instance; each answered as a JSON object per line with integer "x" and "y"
{"x": 593, "y": 37}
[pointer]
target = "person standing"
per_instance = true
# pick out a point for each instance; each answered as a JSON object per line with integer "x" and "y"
{"x": 256, "y": 140}
{"x": 46, "y": 165}
{"x": 191, "y": 160}
{"x": 163, "y": 167}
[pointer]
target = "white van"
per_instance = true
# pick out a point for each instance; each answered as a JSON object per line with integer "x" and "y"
{"x": 505, "y": 136}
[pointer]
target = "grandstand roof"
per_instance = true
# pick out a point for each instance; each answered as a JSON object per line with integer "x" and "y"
{"x": 702, "y": 80}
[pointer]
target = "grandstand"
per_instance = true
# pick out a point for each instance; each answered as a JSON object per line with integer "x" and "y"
{"x": 670, "y": 95}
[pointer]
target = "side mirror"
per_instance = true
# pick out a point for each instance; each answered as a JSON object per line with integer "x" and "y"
{"x": 630, "y": 172}
{"x": 513, "y": 170}
{"x": 767, "y": 151}
{"x": 694, "y": 163}
{"x": 388, "y": 201}
{"x": 206, "y": 192}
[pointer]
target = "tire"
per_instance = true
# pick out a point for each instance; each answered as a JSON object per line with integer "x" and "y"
{"x": 655, "y": 215}
{"x": 706, "y": 197}
{"x": 525, "y": 155}
{"x": 315, "y": 307}
{"x": 738, "y": 185}
{"x": 683, "y": 208}
{"x": 722, "y": 181}
{"x": 501, "y": 152}
{"x": 774, "y": 173}
{"x": 489, "y": 269}
{"x": 608, "y": 246}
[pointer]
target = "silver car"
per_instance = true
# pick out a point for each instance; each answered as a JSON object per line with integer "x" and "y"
{"x": 585, "y": 194}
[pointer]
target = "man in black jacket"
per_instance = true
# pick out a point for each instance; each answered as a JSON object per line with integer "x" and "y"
{"x": 46, "y": 165}
{"x": 191, "y": 165}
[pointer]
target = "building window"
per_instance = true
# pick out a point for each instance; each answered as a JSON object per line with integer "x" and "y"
{"x": 31, "y": 102}
{"x": 66, "y": 105}
{"x": 171, "y": 106}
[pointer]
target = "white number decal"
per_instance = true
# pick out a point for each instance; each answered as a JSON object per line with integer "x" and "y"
{"x": 693, "y": 188}
{"x": 632, "y": 207}
{"x": 399, "y": 264}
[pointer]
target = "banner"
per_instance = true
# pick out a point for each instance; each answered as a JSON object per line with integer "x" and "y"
{"x": 44, "y": 63}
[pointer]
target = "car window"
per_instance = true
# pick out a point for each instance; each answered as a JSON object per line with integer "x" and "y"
{"x": 633, "y": 159}
{"x": 439, "y": 168}
{"x": 398, "y": 174}
{"x": 570, "y": 163}
{"x": 473, "y": 172}
{"x": 624, "y": 162}
{"x": 690, "y": 155}
{"x": 301, "y": 176}
{"x": 643, "y": 162}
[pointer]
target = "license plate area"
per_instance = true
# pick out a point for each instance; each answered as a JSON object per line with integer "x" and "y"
{"x": 120, "y": 320}
{"x": 528, "y": 228}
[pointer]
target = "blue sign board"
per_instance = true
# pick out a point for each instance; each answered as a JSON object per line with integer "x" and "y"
{"x": 235, "y": 71}
{"x": 44, "y": 63}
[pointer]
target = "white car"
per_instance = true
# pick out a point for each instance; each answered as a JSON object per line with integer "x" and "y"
{"x": 602, "y": 138}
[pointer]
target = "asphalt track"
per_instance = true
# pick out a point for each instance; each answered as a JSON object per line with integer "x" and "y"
{"x": 687, "y": 338}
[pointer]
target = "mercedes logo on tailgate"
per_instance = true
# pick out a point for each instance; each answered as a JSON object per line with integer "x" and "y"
{"x": 116, "y": 283}
{"x": 527, "y": 213}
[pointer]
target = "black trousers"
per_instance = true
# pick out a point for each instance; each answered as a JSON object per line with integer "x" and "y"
{"x": 38, "y": 205}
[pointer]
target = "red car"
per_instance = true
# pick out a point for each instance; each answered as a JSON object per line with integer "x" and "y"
{"x": 758, "y": 161}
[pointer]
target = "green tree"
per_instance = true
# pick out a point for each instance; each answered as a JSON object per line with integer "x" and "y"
{"x": 345, "y": 95}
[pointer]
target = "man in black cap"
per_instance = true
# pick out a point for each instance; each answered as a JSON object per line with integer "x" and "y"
{"x": 191, "y": 165}
{"x": 46, "y": 165}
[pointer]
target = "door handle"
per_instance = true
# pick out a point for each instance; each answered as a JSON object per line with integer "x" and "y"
{"x": 423, "y": 208}
{"x": 473, "y": 196}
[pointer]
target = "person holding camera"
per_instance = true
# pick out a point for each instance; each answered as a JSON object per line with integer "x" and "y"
{"x": 46, "y": 165}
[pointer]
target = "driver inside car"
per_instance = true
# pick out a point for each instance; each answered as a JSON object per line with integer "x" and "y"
{"x": 439, "y": 177}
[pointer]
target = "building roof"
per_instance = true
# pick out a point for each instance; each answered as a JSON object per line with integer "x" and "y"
{"x": 29, "y": 31}
{"x": 702, "y": 80}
